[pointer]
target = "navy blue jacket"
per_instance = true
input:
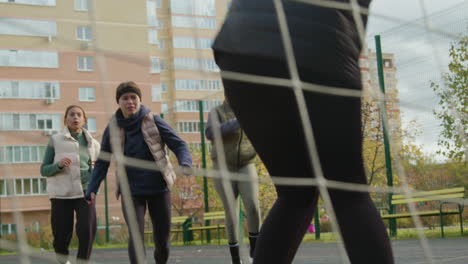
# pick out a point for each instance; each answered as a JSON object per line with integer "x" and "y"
{"x": 141, "y": 181}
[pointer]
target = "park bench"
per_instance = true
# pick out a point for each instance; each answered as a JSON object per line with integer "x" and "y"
{"x": 443, "y": 197}
{"x": 180, "y": 225}
{"x": 213, "y": 217}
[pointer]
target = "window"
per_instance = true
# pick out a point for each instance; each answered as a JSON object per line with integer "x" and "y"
{"x": 84, "y": 33}
{"x": 195, "y": 64}
{"x": 387, "y": 63}
{"x": 192, "y": 105}
{"x": 44, "y": 123}
{"x": 19, "y": 186}
{"x": 35, "y": 227}
{"x": 85, "y": 63}
{"x": 164, "y": 108}
{"x": 30, "y": 121}
{"x": 91, "y": 124}
{"x": 159, "y": 23}
{"x": 29, "y": 58}
{"x": 7, "y": 187}
{"x": 7, "y": 229}
{"x": 42, "y": 186}
{"x": 152, "y": 36}
{"x": 3, "y": 188}
{"x": 192, "y": 43}
{"x": 156, "y": 93}
{"x": 27, "y": 27}
{"x": 193, "y": 22}
{"x": 23, "y": 187}
{"x": 29, "y": 90}
{"x": 198, "y": 85}
{"x": 158, "y": 3}
{"x": 194, "y": 7}
{"x": 161, "y": 44}
{"x": 193, "y": 146}
{"x": 156, "y": 65}
{"x": 51, "y": 90}
{"x": 87, "y": 94}
{"x": 81, "y": 5}
{"x": 163, "y": 87}
{"x": 21, "y": 154}
{"x": 151, "y": 13}
{"x": 31, "y": 2}
{"x": 189, "y": 126}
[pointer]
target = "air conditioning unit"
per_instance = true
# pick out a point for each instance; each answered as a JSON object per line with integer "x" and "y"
{"x": 49, "y": 132}
{"x": 85, "y": 45}
{"x": 49, "y": 101}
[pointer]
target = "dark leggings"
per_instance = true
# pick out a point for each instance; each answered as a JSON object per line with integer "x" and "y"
{"x": 269, "y": 115}
{"x": 159, "y": 207}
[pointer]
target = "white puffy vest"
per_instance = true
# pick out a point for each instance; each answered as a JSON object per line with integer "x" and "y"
{"x": 66, "y": 184}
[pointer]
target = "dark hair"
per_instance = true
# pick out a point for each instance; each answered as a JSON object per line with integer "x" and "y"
{"x": 69, "y": 108}
{"x": 127, "y": 87}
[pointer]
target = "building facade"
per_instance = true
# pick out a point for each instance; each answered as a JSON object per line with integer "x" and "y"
{"x": 371, "y": 87}
{"x": 57, "y": 53}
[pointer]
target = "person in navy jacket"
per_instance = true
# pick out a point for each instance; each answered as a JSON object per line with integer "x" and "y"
{"x": 144, "y": 136}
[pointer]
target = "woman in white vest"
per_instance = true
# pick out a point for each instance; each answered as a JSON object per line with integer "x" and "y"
{"x": 67, "y": 165}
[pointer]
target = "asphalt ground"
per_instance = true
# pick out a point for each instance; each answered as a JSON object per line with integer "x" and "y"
{"x": 445, "y": 251}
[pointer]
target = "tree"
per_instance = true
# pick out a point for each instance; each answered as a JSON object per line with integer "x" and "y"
{"x": 403, "y": 136}
{"x": 453, "y": 102}
{"x": 188, "y": 196}
{"x": 373, "y": 147}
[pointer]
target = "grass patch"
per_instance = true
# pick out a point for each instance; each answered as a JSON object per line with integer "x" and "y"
{"x": 450, "y": 232}
{"x": 409, "y": 233}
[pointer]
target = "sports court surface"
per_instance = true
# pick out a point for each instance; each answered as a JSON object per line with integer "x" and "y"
{"x": 446, "y": 251}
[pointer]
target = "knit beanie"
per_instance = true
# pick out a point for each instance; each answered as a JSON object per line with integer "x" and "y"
{"x": 127, "y": 87}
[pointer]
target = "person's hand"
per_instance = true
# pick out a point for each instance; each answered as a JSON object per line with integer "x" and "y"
{"x": 93, "y": 198}
{"x": 65, "y": 162}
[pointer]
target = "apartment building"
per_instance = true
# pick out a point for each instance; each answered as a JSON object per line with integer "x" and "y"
{"x": 370, "y": 80}
{"x": 57, "y": 53}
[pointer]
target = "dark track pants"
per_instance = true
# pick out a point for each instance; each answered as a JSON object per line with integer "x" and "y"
{"x": 269, "y": 115}
{"x": 62, "y": 216}
{"x": 159, "y": 207}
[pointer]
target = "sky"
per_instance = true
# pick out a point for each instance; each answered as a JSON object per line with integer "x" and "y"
{"x": 420, "y": 56}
